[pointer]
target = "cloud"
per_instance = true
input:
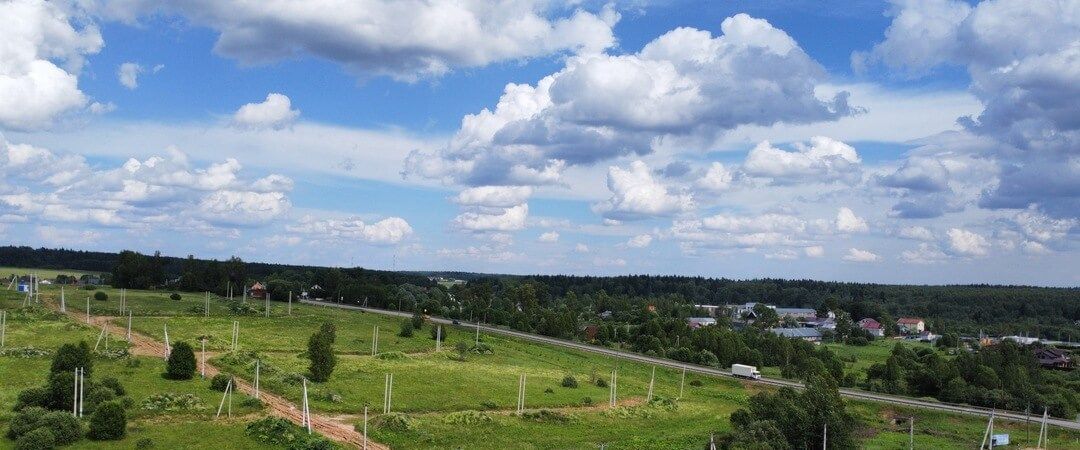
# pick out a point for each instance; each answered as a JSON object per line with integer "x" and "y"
{"x": 274, "y": 113}
{"x": 716, "y": 179}
{"x": 581, "y": 248}
{"x": 770, "y": 222}
{"x": 494, "y": 196}
{"x": 601, "y": 261}
{"x": 823, "y": 160}
{"x": 848, "y": 222}
{"x": 967, "y": 243}
{"x": 860, "y": 256}
{"x": 636, "y": 194}
{"x": 128, "y": 74}
{"x": 926, "y": 253}
{"x": 405, "y": 39}
{"x": 815, "y": 251}
{"x": 501, "y": 219}
{"x": 550, "y": 236}
{"x": 156, "y": 192}
{"x": 41, "y": 55}
{"x": 1022, "y": 58}
{"x": 686, "y": 84}
{"x": 919, "y": 174}
{"x": 916, "y": 233}
{"x": 388, "y": 231}
{"x": 640, "y": 241}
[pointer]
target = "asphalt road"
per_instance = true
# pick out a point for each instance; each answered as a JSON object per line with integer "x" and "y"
{"x": 850, "y": 393}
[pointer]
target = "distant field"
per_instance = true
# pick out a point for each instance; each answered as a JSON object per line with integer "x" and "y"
{"x": 7, "y": 272}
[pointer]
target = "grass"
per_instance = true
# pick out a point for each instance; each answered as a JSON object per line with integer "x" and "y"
{"x": 45, "y": 274}
{"x": 430, "y": 386}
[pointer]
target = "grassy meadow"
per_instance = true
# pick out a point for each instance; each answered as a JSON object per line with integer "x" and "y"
{"x": 439, "y": 400}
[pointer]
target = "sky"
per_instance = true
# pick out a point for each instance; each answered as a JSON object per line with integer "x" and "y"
{"x": 908, "y": 141}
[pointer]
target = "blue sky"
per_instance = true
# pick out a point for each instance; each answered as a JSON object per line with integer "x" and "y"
{"x": 904, "y": 141}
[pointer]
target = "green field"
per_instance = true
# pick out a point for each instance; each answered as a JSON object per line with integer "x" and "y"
{"x": 45, "y": 274}
{"x": 448, "y": 403}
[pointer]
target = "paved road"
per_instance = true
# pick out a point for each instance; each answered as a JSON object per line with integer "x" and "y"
{"x": 850, "y": 393}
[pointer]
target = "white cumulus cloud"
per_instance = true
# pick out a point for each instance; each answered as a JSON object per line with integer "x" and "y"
{"x": 274, "y": 113}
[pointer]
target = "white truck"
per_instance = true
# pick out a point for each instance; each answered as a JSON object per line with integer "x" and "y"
{"x": 744, "y": 371}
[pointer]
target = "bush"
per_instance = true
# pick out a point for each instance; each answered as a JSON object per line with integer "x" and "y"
{"x": 281, "y": 432}
{"x": 488, "y": 404}
{"x": 695, "y": 383}
{"x": 25, "y": 421}
{"x": 600, "y": 382}
{"x": 35, "y": 396}
{"x": 321, "y": 353}
{"x": 546, "y": 416}
{"x": 394, "y": 422}
{"x": 64, "y": 427}
{"x": 109, "y": 422}
{"x": 220, "y": 381}
{"x": 174, "y": 296}
{"x": 101, "y": 296}
{"x": 406, "y": 328}
{"x": 468, "y": 418}
{"x": 858, "y": 341}
{"x": 38, "y": 439}
{"x": 549, "y": 391}
{"x": 181, "y": 363}
{"x": 569, "y": 382}
{"x": 587, "y": 401}
{"x": 97, "y": 395}
{"x": 144, "y": 443}
{"x": 170, "y": 401}
{"x": 72, "y": 356}
{"x": 462, "y": 349}
{"x": 114, "y": 384}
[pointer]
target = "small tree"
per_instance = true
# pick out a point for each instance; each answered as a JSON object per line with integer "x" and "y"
{"x": 72, "y": 356}
{"x": 181, "y": 363}
{"x": 101, "y": 296}
{"x": 406, "y": 328}
{"x": 462, "y": 349}
{"x": 109, "y": 422}
{"x": 174, "y": 296}
{"x": 418, "y": 320}
{"x": 321, "y": 353}
{"x": 40, "y": 438}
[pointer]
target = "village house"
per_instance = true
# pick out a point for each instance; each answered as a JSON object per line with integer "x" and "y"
{"x": 806, "y": 334}
{"x": 871, "y": 326}
{"x": 911, "y": 325}
{"x": 1052, "y": 358}
{"x": 698, "y": 322}
{"x": 257, "y": 290}
{"x": 711, "y": 310}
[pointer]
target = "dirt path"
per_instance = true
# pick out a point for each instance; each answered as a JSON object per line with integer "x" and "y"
{"x": 143, "y": 345}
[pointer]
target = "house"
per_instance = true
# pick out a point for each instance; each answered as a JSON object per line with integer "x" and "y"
{"x": 590, "y": 331}
{"x": 1022, "y": 340}
{"x": 806, "y": 334}
{"x": 606, "y": 314}
{"x": 743, "y": 311}
{"x": 1052, "y": 358}
{"x": 698, "y": 322}
{"x": 820, "y": 323}
{"x": 711, "y": 310}
{"x": 871, "y": 326}
{"x": 911, "y": 325}
{"x": 257, "y": 290}
{"x": 799, "y": 314}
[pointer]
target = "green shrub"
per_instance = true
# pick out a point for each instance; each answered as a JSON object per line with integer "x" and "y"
{"x": 64, "y": 427}
{"x": 114, "y": 384}
{"x": 108, "y": 423}
{"x": 144, "y": 443}
{"x": 600, "y": 382}
{"x": 461, "y": 348}
{"x": 97, "y": 395}
{"x": 72, "y": 356}
{"x": 488, "y": 404}
{"x": 695, "y": 383}
{"x": 468, "y": 418}
{"x": 35, "y": 396}
{"x": 38, "y": 439}
{"x": 181, "y": 363}
{"x": 251, "y": 402}
{"x": 546, "y": 416}
{"x": 394, "y": 422}
{"x": 587, "y": 401}
{"x": 101, "y": 296}
{"x": 321, "y": 353}
{"x": 569, "y": 382}
{"x": 174, "y": 296}
{"x": 549, "y": 391}
{"x": 406, "y": 328}
{"x": 281, "y": 432}
{"x": 482, "y": 349}
{"x": 25, "y": 421}
{"x": 220, "y": 381}
{"x": 171, "y": 401}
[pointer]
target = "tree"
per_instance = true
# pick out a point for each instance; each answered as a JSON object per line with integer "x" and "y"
{"x": 406, "y": 328}
{"x": 72, "y": 356}
{"x": 181, "y": 363}
{"x": 101, "y": 296}
{"x": 109, "y": 422}
{"x": 765, "y": 317}
{"x": 321, "y": 353}
{"x": 462, "y": 349}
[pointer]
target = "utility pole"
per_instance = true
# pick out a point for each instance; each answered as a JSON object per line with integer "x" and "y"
{"x": 911, "y": 433}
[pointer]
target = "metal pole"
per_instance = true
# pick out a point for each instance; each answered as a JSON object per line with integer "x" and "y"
{"x": 206, "y": 309}
{"x": 438, "y": 338}
{"x": 682, "y": 382}
{"x": 129, "y": 327}
{"x": 390, "y": 394}
{"x": 290, "y": 313}
{"x": 257, "y": 378}
{"x": 652, "y": 380}
{"x": 477, "y": 333}
{"x": 202, "y": 358}
{"x": 825, "y": 437}
{"x": 911, "y": 433}
{"x": 63, "y": 304}
{"x": 223, "y": 395}
{"x": 88, "y": 310}
{"x": 365, "y": 428}
{"x": 3, "y": 327}
{"x": 75, "y": 396}
{"x": 82, "y": 389}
